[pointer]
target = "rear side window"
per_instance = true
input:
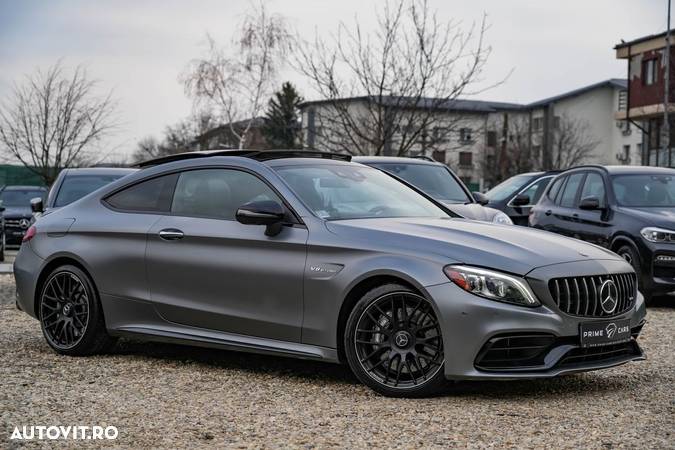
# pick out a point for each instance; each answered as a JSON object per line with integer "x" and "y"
{"x": 594, "y": 187}
{"x": 555, "y": 188}
{"x": 153, "y": 195}
{"x": 218, "y": 193}
{"x": 569, "y": 195}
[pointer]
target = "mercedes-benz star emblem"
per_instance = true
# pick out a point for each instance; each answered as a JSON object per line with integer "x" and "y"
{"x": 24, "y": 223}
{"x": 609, "y": 296}
{"x": 401, "y": 339}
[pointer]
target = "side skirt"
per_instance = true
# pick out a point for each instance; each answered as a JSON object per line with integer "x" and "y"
{"x": 226, "y": 341}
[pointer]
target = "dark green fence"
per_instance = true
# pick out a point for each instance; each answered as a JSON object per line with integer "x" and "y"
{"x": 18, "y": 175}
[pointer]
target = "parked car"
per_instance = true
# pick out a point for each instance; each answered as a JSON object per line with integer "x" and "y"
{"x": 517, "y": 195}
{"x": 628, "y": 209}
{"x": 17, "y": 214}
{"x": 73, "y": 184}
{"x": 305, "y": 254}
{"x": 439, "y": 182}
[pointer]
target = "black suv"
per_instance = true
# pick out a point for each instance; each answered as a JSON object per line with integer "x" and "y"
{"x": 18, "y": 214}
{"x": 517, "y": 195}
{"x": 630, "y": 210}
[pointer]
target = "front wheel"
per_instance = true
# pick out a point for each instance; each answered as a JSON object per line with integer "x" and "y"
{"x": 393, "y": 343}
{"x": 633, "y": 258}
{"x": 70, "y": 313}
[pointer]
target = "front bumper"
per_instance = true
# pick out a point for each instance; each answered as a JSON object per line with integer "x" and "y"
{"x": 470, "y": 322}
{"x": 658, "y": 268}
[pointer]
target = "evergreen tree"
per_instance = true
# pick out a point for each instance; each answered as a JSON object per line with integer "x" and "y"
{"x": 282, "y": 125}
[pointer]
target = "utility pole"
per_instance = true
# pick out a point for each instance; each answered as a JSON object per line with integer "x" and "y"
{"x": 666, "y": 96}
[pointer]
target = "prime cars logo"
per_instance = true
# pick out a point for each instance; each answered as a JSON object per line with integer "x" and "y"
{"x": 609, "y": 296}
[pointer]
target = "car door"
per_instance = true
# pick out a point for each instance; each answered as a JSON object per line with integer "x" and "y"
{"x": 534, "y": 191}
{"x": 207, "y": 270}
{"x": 563, "y": 218}
{"x": 593, "y": 225}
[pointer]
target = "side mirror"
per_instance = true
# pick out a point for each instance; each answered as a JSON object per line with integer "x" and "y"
{"x": 521, "y": 200}
{"x": 265, "y": 212}
{"x": 480, "y": 198}
{"x": 590, "y": 203}
{"x": 36, "y": 205}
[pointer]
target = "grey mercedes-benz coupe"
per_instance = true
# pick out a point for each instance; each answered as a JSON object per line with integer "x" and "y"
{"x": 306, "y": 254}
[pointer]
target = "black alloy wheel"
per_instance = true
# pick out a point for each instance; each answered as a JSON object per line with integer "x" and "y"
{"x": 64, "y": 310}
{"x": 70, "y": 313}
{"x": 396, "y": 343}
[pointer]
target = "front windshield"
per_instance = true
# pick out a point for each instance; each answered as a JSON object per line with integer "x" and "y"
{"x": 644, "y": 190}
{"x": 433, "y": 180}
{"x": 508, "y": 187}
{"x": 75, "y": 187}
{"x": 20, "y": 197}
{"x": 335, "y": 192}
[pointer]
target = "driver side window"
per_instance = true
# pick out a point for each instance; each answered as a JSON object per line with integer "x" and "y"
{"x": 217, "y": 193}
{"x": 594, "y": 186}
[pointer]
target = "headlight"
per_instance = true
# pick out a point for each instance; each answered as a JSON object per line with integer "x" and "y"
{"x": 502, "y": 218}
{"x": 492, "y": 285}
{"x": 653, "y": 234}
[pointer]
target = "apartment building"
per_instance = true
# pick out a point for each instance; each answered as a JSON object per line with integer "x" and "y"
{"x": 648, "y": 75}
{"x": 484, "y": 141}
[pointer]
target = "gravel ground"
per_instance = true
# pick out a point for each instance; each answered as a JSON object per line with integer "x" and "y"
{"x": 174, "y": 396}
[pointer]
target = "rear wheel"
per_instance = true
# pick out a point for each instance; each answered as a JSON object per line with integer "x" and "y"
{"x": 633, "y": 258}
{"x": 393, "y": 343}
{"x": 70, "y": 313}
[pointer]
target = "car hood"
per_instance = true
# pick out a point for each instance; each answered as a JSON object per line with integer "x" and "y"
{"x": 472, "y": 211}
{"x": 658, "y": 217}
{"x": 17, "y": 211}
{"x": 517, "y": 250}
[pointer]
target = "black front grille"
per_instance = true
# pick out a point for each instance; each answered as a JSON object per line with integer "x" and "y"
{"x": 13, "y": 223}
{"x": 580, "y": 296}
{"x": 604, "y": 354}
{"x": 514, "y": 351}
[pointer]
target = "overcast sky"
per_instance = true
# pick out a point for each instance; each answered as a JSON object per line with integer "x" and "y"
{"x": 139, "y": 48}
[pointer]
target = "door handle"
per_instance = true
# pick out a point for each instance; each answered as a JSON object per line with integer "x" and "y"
{"x": 171, "y": 234}
{"x": 548, "y": 212}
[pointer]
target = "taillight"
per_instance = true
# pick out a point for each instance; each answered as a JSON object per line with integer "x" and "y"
{"x": 30, "y": 234}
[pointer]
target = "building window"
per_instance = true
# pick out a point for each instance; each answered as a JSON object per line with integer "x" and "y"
{"x": 465, "y": 159}
{"x": 649, "y": 72}
{"x": 492, "y": 138}
{"x": 623, "y": 101}
{"x": 465, "y": 135}
{"x": 556, "y": 122}
{"x": 654, "y": 133}
{"x": 537, "y": 123}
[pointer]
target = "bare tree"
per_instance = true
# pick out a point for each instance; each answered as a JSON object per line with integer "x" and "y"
{"x": 513, "y": 151}
{"x": 238, "y": 80}
{"x": 177, "y": 138}
{"x": 403, "y": 77}
{"x": 52, "y": 121}
{"x": 572, "y": 142}
{"x": 518, "y": 149}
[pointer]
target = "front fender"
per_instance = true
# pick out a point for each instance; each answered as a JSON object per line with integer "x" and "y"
{"x": 326, "y": 291}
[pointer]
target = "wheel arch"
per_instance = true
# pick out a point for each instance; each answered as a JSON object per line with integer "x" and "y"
{"x": 53, "y": 263}
{"x": 621, "y": 240}
{"x": 359, "y": 288}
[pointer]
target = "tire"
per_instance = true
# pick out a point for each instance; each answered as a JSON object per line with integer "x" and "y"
{"x": 70, "y": 313}
{"x": 396, "y": 358}
{"x": 633, "y": 258}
